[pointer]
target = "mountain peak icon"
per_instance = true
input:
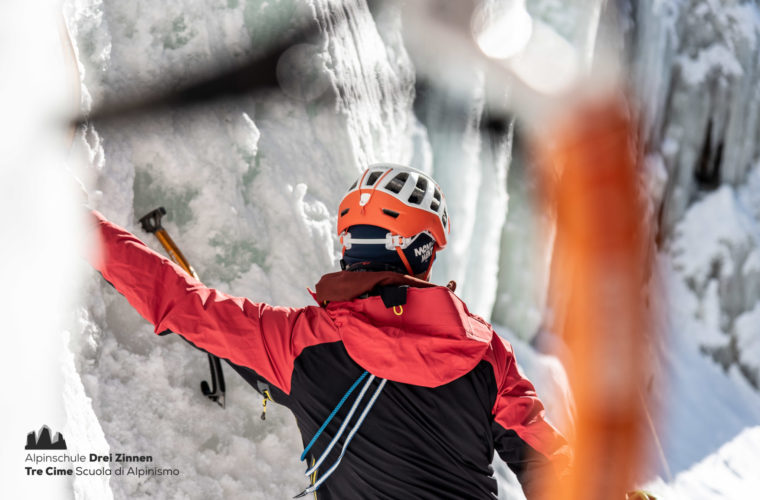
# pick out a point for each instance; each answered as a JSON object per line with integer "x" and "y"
{"x": 43, "y": 441}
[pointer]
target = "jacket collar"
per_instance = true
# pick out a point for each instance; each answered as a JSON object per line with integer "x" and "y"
{"x": 346, "y": 285}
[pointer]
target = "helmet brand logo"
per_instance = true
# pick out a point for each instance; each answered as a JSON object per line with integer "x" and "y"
{"x": 364, "y": 199}
{"x": 425, "y": 251}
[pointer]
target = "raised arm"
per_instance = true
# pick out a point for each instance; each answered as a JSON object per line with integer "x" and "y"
{"x": 261, "y": 337}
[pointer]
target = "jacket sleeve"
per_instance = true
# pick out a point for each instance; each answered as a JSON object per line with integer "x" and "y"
{"x": 254, "y": 335}
{"x": 531, "y": 447}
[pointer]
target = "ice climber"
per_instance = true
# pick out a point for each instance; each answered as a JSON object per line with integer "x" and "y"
{"x": 399, "y": 392}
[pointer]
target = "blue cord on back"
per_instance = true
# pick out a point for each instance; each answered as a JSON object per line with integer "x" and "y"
{"x": 335, "y": 410}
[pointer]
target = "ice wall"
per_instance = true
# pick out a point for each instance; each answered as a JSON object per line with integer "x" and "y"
{"x": 696, "y": 70}
{"x": 251, "y": 187}
{"x": 471, "y": 167}
{"x": 525, "y": 249}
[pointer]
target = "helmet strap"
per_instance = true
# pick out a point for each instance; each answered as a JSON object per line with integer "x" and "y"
{"x": 405, "y": 261}
{"x": 430, "y": 266}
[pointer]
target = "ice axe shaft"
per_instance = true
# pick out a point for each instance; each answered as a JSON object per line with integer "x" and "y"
{"x": 151, "y": 223}
{"x": 174, "y": 252}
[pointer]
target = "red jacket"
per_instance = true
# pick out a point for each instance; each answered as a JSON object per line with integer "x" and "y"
{"x": 431, "y": 350}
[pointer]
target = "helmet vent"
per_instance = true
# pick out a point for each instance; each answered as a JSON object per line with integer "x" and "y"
{"x": 344, "y": 212}
{"x": 434, "y": 205}
{"x": 419, "y": 192}
{"x": 391, "y": 213}
{"x": 437, "y": 194}
{"x": 373, "y": 177}
{"x": 353, "y": 185}
{"x": 396, "y": 184}
{"x": 445, "y": 218}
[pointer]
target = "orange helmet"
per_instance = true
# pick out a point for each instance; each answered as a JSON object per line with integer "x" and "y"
{"x": 402, "y": 200}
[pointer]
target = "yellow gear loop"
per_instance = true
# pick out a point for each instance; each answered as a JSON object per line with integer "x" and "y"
{"x": 267, "y": 397}
{"x": 398, "y": 312}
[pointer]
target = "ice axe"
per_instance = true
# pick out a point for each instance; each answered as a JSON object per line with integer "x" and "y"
{"x": 151, "y": 223}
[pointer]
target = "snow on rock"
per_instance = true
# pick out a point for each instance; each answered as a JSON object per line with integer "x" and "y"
{"x": 714, "y": 240}
{"x": 729, "y": 473}
{"x": 702, "y": 407}
{"x": 747, "y": 335}
{"x": 715, "y": 250}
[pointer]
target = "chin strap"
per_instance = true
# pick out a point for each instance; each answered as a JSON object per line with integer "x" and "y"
{"x": 404, "y": 260}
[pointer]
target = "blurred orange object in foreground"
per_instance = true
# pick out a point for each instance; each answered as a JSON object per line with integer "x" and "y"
{"x": 599, "y": 270}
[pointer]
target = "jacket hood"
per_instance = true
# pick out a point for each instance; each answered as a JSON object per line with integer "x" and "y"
{"x": 429, "y": 341}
